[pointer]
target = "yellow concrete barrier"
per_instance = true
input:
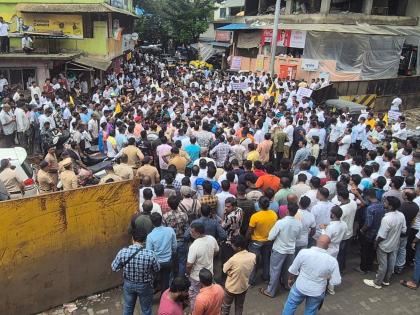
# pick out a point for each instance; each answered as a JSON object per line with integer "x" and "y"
{"x": 57, "y": 247}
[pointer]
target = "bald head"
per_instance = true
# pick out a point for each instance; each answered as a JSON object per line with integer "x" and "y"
{"x": 292, "y": 198}
{"x": 323, "y": 241}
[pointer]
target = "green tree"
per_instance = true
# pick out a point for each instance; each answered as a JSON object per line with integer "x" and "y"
{"x": 181, "y": 20}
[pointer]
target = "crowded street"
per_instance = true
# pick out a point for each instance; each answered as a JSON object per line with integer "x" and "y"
{"x": 158, "y": 183}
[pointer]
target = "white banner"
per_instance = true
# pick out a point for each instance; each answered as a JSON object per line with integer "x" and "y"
{"x": 310, "y": 64}
{"x": 236, "y": 63}
{"x": 303, "y": 92}
{"x": 238, "y": 86}
{"x": 297, "y": 39}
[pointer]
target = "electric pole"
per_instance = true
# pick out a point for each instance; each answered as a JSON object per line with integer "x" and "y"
{"x": 274, "y": 39}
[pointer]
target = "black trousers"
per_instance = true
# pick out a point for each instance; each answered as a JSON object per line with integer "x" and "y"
{"x": 342, "y": 254}
{"x": 226, "y": 251}
{"x": 279, "y": 157}
{"x": 4, "y": 44}
{"x": 367, "y": 253}
{"x": 332, "y": 149}
{"x": 9, "y": 140}
{"x": 411, "y": 234}
{"x": 165, "y": 275}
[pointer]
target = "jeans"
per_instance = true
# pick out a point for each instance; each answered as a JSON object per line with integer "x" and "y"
{"x": 181, "y": 253}
{"x": 367, "y": 253}
{"x": 165, "y": 275}
{"x": 386, "y": 263}
{"x": 279, "y": 264}
{"x": 262, "y": 250}
{"x": 416, "y": 275}
{"x": 400, "y": 261}
{"x": 228, "y": 300}
{"x": 132, "y": 290}
{"x": 296, "y": 298}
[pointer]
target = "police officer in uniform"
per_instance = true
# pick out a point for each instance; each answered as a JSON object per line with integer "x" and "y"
{"x": 68, "y": 177}
{"x": 46, "y": 183}
{"x": 11, "y": 180}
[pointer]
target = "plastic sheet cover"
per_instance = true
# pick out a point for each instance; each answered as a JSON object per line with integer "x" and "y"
{"x": 373, "y": 56}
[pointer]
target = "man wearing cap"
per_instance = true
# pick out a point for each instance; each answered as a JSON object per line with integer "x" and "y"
{"x": 11, "y": 180}
{"x": 110, "y": 175}
{"x": 124, "y": 170}
{"x": 45, "y": 181}
{"x": 67, "y": 176}
{"x": 51, "y": 159}
{"x": 134, "y": 154}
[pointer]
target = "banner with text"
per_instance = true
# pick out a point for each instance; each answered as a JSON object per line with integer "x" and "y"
{"x": 285, "y": 38}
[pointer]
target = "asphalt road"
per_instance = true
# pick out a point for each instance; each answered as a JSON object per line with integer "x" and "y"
{"x": 352, "y": 297}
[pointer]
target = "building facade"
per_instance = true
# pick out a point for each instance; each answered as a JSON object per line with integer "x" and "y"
{"x": 88, "y": 36}
{"x": 336, "y": 39}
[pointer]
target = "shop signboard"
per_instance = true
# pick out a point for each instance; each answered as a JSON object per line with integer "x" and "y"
{"x": 70, "y": 26}
{"x": 236, "y": 63}
{"x": 310, "y": 64}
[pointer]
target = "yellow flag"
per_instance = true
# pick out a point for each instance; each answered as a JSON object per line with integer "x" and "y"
{"x": 386, "y": 119}
{"x": 118, "y": 108}
{"x": 272, "y": 91}
{"x": 71, "y": 101}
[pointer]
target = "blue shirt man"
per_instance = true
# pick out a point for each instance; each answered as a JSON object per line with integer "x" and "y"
{"x": 162, "y": 241}
{"x": 193, "y": 151}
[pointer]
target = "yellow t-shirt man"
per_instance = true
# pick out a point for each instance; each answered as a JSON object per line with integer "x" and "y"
{"x": 262, "y": 222}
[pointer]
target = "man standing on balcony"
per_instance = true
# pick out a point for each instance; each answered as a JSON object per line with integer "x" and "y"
{"x": 27, "y": 43}
{"x": 4, "y": 36}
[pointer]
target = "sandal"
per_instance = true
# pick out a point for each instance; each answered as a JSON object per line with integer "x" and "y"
{"x": 263, "y": 292}
{"x": 405, "y": 284}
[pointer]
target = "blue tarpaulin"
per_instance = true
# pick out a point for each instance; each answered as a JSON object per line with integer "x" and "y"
{"x": 235, "y": 26}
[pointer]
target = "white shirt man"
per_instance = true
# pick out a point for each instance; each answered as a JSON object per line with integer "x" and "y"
{"x": 321, "y": 212}
{"x": 22, "y": 122}
{"x": 344, "y": 145}
{"x": 221, "y": 198}
{"x": 284, "y": 234}
{"x": 314, "y": 266}
{"x": 27, "y": 42}
{"x": 3, "y": 83}
{"x": 35, "y": 90}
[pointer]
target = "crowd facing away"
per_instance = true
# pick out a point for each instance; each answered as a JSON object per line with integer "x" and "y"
{"x": 235, "y": 185}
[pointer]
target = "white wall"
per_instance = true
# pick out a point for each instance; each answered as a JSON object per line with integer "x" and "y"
{"x": 413, "y": 8}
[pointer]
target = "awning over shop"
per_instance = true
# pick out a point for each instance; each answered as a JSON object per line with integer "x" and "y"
{"x": 235, "y": 26}
{"x": 70, "y": 8}
{"x": 220, "y": 44}
{"x": 249, "y": 40}
{"x": 350, "y": 29}
{"x": 101, "y": 64}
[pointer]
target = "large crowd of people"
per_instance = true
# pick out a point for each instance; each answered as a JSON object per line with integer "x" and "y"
{"x": 235, "y": 185}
